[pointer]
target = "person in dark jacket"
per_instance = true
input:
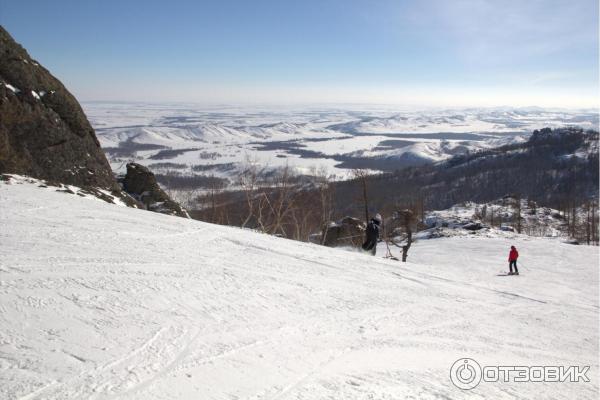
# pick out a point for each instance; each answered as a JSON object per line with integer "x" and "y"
{"x": 372, "y": 233}
{"x": 512, "y": 260}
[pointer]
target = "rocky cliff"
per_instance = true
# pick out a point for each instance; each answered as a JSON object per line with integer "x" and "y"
{"x": 45, "y": 134}
{"x": 43, "y": 130}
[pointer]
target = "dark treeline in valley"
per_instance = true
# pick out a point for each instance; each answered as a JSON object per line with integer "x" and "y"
{"x": 554, "y": 168}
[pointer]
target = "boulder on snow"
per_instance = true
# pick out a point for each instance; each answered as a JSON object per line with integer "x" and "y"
{"x": 140, "y": 183}
{"x": 473, "y": 226}
{"x": 346, "y": 232}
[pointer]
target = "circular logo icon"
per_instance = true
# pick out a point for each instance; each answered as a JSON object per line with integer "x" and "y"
{"x": 465, "y": 373}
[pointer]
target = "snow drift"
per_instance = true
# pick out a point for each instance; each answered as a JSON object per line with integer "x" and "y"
{"x": 99, "y": 301}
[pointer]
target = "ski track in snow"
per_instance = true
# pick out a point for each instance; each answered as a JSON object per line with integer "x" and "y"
{"x": 104, "y": 302}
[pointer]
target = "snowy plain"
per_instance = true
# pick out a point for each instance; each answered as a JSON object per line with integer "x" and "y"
{"x": 334, "y": 138}
{"x": 99, "y": 301}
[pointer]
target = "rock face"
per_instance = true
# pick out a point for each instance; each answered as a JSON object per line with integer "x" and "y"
{"x": 44, "y": 134}
{"x": 43, "y": 130}
{"x": 140, "y": 183}
{"x": 473, "y": 226}
{"x": 346, "y": 232}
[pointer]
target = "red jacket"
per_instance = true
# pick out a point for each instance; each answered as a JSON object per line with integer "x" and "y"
{"x": 513, "y": 255}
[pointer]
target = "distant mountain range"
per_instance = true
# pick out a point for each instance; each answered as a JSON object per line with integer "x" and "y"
{"x": 188, "y": 140}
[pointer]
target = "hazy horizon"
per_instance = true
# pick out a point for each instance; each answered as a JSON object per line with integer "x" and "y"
{"x": 418, "y": 54}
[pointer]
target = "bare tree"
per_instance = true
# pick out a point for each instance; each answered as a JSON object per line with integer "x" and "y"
{"x": 594, "y": 221}
{"x": 323, "y": 184}
{"x": 271, "y": 201}
{"x": 517, "y": 212}
{"x": 361, "y": 175}
{"x": 249, "y": 183}
{"x": 169, "y": 175}
{"x": 282, "y": 200}
{"x": 402, "y": 230}
{"x": 217, "y": 211}
{"x": 590, "y": 224}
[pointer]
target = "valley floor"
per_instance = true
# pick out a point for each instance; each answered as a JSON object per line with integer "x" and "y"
{"x": 104, "y": 302}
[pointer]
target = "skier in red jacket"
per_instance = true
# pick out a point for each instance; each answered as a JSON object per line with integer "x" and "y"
{"x": 512, "y": 260}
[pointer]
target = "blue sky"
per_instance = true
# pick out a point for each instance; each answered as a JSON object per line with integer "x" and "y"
{"x": 419, "y": 52}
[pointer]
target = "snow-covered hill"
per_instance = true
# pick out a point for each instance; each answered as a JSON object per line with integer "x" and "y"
{"x": 104, "y": 302}
{"x": 201, "y": 140}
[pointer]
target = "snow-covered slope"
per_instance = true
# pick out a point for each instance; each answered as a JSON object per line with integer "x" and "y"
{"x": 104, "y": 302}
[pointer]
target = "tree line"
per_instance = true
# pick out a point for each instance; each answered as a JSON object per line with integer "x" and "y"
{"x": 555, "y": 168}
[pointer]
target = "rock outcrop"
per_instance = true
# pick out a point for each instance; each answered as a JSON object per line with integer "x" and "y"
{"x": 140, "y": 183}
{"x": 45, "y": 134}
{"x": 43, "y": 130}
{"x": 346, "y": 232}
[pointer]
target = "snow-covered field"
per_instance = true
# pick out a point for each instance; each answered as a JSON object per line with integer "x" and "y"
{"x": 99, "y": 301}
{"x": 336, "y": 139}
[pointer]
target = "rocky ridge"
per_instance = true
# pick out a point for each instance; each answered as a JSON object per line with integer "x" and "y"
{"x": 45, "y": 135}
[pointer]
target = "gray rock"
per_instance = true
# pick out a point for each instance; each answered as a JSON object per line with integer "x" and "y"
{"x": 473, "y": 226}
{"x": 346, "y": 232}
{"x": 140, "y": 183}
{"x": 43, "y": 130}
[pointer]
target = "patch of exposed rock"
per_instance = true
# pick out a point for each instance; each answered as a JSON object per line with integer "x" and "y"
{"x": 140, "y": 183}
{"x": 44, "y": 134}
{"x": 346, "y": 232}
{"x": 43, "y": 130}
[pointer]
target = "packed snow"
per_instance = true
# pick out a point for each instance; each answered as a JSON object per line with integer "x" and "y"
{"x": 105, "y": 302}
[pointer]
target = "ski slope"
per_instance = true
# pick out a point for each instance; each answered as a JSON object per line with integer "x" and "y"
{"x": 99, "y": 301}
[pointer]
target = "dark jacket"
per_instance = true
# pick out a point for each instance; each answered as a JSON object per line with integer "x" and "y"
{"x": 373, "y": 231}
